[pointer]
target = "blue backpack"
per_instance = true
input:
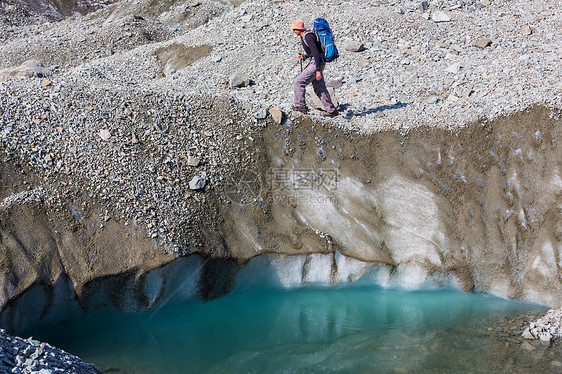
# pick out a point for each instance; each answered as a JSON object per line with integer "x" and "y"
{"x": 324, "y": 34}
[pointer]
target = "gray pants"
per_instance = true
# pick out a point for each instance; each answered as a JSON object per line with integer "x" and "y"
{"x": 307, "y": 76}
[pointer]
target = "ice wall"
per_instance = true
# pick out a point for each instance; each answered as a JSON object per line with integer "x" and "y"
{"x": 477, "y": 208}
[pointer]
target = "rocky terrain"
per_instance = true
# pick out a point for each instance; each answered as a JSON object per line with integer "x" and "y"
{"x": 546, "y": 328}
{"x": 22, "y": 12}
{"x": 412, "y": 68}
{"x": 31, "y": 356}
{"x": 128, "y": 126}
{"x": 436, "y": 63}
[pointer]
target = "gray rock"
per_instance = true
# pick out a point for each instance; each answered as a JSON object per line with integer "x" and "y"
{"x": 424, "y": 5}
{"x": 399, "y": 10}
{"x": 193, "y": 161}
{"x": 433, "y": 99}
{"x": 527, "y": 334}
{"x": 315, "y": 100}
{"x": 261, "y": 114}
{"x": 456, "y": 48}
{"x": 482, "y": 43}
{"x": 454, "y": 68}
{"x": 105, "y": 134}
{"x": 239, "y": 80}
{"x": 363, "y": 63}
{"x": 545, "y": 337}
{"x": 198, "y": 182}
{"x": 29, "y": 69}
{"x": 354, "y": 46}
{"x": 526, "y": 30}
{"x": 440, "y": 16}
{"x": 336, "y": 83}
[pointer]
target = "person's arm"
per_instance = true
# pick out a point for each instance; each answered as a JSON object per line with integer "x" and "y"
{"x": 304, "y": 55}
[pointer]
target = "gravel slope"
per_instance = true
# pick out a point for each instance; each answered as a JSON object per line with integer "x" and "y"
{"x": 412, "y": 71}
{"x": 24, "y": 356}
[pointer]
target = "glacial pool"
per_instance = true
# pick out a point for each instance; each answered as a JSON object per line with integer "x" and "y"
{"x": 355, "y": 329}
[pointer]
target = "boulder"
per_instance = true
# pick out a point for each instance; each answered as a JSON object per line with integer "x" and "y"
{"x": 277, "y": 115}
{"x": 315, "y": 100}
{"x": 364, "y": 63}
{"x": 482, "y": 43}
{"x": 104, "y": 134}
{"x": 454, "y": 68}
{"x": 336, "y": 83}
{"x": 198, "y": 182}
{"x": 29, "y": 69}
{"x": 527, "y": 334}
{"x": 261, "y": 114}
{"x": 239, "y": 80}
{"x": 193, "y": 161}
{"x": 440, "y": 16}
{"x": 545, "y": 337}
{"x": 526, "y": 30}
{"x": 354, "y": 46}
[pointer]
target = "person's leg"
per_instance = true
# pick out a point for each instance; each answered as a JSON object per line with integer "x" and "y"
{"x": 323, "y": 94}
{"x": 304, "y": 78}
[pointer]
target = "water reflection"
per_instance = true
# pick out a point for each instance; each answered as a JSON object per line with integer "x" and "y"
{"x": 305, "y": 330}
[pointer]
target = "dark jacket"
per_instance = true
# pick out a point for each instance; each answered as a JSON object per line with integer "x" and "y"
{"x": 312, "y": 48}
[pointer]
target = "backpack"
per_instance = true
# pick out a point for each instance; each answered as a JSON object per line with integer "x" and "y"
{"x": 324, "y": 34}
{"x": 325, "y": 38}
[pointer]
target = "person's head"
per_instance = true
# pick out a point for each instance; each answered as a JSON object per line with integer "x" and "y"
{"x": 298, "y": 27}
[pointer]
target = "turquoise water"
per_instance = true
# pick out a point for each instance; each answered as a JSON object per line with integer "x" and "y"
{"x": 307, "y": 330}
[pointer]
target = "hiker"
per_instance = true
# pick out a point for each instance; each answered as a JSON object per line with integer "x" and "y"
{"x": 312, "y": 72}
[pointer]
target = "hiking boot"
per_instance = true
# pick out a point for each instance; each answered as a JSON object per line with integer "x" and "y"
{"x": 332, "y": 114}
{"x": 300, "y": 109}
